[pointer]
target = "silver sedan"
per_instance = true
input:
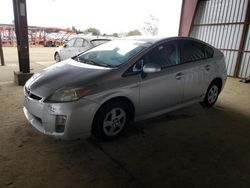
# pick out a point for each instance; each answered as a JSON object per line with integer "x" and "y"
{"x": 75, "y": 46}
{"x": 104, "y": 89}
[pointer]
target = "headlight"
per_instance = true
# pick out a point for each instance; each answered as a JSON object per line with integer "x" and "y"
{"x": 67, "y": 95}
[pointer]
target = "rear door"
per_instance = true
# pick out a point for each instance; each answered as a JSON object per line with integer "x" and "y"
{"x": 197, "y": 68}
{"x": 80, "y": 45}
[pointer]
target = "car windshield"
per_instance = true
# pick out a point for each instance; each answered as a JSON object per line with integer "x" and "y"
{"x": 113, "y": 53}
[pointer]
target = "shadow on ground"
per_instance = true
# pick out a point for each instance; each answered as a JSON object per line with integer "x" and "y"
{"x": 192, "y": 147}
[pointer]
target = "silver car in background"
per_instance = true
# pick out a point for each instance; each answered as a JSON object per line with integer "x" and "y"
{"x": 105, "y": 88}
{"x": 77, "y": 45}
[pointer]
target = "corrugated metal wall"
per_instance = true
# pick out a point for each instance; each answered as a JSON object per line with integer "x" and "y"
{"x": 220, "y": 23}
{"x": 245, "y": 64}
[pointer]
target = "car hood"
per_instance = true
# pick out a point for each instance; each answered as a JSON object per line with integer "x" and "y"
{"x": 68, "y": 73}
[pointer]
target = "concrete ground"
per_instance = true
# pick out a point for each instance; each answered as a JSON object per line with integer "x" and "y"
{"x": 191, "y": 147}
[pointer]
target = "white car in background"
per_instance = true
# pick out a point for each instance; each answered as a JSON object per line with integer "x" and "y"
{"x": 76, "y": 45}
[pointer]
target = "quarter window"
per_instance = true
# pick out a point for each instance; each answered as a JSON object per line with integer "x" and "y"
{"x": 209, "y": 52}
{"x": 85, "y": 43}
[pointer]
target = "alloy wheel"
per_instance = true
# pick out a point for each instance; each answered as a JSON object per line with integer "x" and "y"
{"x": 114, "y": 121}
{"x": 213, "y": 94}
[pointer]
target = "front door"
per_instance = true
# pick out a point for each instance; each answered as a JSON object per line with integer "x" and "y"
{"x": 163, "y": 89}
{"x": 68, "y": 49}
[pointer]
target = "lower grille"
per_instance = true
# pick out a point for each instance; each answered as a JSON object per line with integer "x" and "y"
{"x": 38, "y": 119}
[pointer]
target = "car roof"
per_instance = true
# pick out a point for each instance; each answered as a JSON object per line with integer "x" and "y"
{"x": 90, "y": 38}
{"x": 150, "y": 39}
{"x": 155, "y": 39}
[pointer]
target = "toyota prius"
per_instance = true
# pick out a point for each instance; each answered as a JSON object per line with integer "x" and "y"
{"x": 102, "y": 90}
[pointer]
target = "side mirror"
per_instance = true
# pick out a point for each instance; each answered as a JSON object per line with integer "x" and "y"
{"x": 138, "y": 66}
{"x": 65, "y": 45}
{"x": 151, "y": 68}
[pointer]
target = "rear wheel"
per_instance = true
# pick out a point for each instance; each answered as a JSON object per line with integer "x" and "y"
{"x": 111, "y": 120}
{"x": 211, "y": 95}
{"x": 57, "y": 57}
{"x": 49, "y": 44}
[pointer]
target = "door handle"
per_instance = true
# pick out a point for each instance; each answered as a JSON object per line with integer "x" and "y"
{"x": 179, "y": 75}
{"x": 207, "y": 67}
{"x": 134, "y": 86}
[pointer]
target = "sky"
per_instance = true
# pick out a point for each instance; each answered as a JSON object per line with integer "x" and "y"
{"x": 109, "y": 16}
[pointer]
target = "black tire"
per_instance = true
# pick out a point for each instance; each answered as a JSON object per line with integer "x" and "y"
{"x": 57, "y": 57}
{"x": 49, "y": 44}
{"x": 212, "y": 95}
{"x": 114, "y": 125}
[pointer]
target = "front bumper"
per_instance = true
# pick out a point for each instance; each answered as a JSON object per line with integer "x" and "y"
{"x": 43, "y": 117}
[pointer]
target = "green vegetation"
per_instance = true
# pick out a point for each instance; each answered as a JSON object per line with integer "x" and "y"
{"x": 134, "y": 32}
{"x": 94, "y": 31}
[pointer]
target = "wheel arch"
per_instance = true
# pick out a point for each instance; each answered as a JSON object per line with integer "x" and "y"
{"x": 218, "y": 81}
{"x": 56, "y": 52}
{"x": 117, "y": 98}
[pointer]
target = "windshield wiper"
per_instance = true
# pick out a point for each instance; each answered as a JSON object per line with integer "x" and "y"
{"x": 91, "y": 62}
{"x": 105, "y": 65}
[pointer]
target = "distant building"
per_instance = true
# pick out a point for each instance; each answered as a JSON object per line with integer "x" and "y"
{"x": 223, "y": 24}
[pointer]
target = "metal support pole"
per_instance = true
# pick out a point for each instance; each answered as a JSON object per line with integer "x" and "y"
{"x": 1, "y": 51}
{"x": 242, "y": 41}
{"x": 21, "y": 27}
{"x": 22, "y": 39}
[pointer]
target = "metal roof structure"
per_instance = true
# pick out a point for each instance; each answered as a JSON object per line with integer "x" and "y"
{"x": 223, "y": 24}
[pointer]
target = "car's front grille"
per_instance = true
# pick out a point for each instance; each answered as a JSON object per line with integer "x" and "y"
{"x": 35, "y": 96}
{"x": 31, "y": 95}
{"x": 27, "y": 91}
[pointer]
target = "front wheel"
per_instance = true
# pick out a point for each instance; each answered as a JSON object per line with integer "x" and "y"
{"x": 211, "y": 95}
{"x": 111, "y": 120}
{"x": 49, "y": 44}
{"x": 57, "y": 57}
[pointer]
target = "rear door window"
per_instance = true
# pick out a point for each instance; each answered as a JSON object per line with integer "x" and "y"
{"x": 80, "y": 42}
{"x": 194, "y": 51}
{"x": 71, "y": 42}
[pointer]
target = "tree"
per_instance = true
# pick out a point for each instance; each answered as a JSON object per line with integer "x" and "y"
{"x": 79, "y": 31}
{"x": 75, "y": 30}
{"x": 93, "y": 31}
{"x": 134, "y": 32}
{"x": 151, "y": 26}
{"x": 115, "y": 35}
